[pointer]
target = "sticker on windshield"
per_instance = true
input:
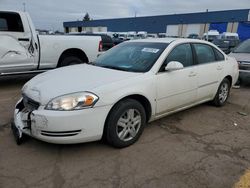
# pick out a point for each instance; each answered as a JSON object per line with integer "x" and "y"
{"x": 150, "y": 50}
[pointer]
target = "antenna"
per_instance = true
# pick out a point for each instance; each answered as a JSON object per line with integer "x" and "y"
{"x": 24, "y": 8}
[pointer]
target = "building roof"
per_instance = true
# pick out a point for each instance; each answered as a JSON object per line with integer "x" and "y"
{"x": 158, "y": 23}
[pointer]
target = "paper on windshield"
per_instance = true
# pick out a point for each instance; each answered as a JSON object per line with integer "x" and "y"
{"x": 150, "y": 50}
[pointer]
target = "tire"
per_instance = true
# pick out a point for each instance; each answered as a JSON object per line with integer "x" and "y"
{"x": 125, "y": 123}
{"x": 222, "y": 94}
{"x": 238, "y": 82}
{"x": 70, "y": 60}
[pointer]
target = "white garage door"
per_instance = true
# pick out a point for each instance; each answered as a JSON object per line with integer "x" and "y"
{"x": 172, "y": 30}
{"x": 193, "y": 29}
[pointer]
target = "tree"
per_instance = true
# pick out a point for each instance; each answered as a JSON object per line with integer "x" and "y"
{"x": 86, "y": 17}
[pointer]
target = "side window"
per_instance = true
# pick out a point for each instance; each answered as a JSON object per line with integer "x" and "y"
{"x": 219, "y": 55}
{"x": 182, "y": 53}
{"x": 3, "y": 25}
{"x": 10, "y": 22}
{"x": 205, "y": 53}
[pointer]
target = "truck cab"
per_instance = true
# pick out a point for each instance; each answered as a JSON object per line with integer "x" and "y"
{"x": 19, "y": 49}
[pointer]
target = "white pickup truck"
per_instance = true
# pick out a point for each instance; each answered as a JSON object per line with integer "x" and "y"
{"x": 22, "y": 50}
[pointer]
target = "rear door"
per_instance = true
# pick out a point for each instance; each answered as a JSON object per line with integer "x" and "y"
{"x": 210, "y": 67}
{"x": 17, "y": 50}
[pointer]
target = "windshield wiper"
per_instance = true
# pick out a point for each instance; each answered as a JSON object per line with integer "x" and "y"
{"x": 91, "y": 63}
{"x": 112, "y": 67}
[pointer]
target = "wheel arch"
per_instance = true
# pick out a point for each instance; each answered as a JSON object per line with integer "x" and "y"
{"x": 144, "y": 101}
{"x": 76, "y": 52}
{"x": 230, "y": 79}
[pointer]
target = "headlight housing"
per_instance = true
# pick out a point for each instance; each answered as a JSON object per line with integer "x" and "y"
{"x": 73, "y": 101}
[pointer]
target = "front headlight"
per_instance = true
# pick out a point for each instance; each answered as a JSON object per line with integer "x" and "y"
{"x": 73, "y": 101}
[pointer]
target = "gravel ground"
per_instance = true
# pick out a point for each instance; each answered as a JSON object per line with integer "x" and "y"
{"x": 203, "y": 146}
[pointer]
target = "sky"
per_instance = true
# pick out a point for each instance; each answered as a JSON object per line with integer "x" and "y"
{"x": 50, "y": 14}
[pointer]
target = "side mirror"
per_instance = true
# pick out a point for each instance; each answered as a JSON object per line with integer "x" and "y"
{"x": 173, "y": 65}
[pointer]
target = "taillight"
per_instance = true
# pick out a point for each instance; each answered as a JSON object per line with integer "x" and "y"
{"x": 100, "y": 46}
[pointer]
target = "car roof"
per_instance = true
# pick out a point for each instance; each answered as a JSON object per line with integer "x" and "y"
{"x": 169, "y": 40}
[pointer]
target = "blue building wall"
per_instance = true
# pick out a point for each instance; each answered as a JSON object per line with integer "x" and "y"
{"x": 244, "y": 30}
{"x": 157, "y": 24}
{"x": 221, "y": 27}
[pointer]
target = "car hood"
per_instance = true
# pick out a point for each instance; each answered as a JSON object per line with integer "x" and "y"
{"x": 241, "y": 56}
{"x": 51, "y": 84}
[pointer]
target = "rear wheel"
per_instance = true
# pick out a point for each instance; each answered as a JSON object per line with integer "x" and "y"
{"x": 70, "y": 60}
{"x": 125, "y": 123}
{"x": 222, "y": 93}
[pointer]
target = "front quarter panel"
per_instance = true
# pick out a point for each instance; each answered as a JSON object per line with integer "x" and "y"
{"x": 141, "y": 85}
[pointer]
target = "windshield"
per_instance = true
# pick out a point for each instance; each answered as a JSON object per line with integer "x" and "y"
{"x": 244, "y": 47}
{"x": 132, "y": 56}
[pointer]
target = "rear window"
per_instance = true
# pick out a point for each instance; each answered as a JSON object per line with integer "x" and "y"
{"x": 10, "y": 22}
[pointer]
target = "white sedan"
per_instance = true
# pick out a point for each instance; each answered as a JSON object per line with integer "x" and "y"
{"x": 133, "y": 83}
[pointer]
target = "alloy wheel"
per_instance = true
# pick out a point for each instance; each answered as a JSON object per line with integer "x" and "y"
{"x": 223, "y": 93}
{"x": 128, "y": 124}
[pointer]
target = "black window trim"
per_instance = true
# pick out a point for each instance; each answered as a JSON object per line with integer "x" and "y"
{"x": 216, "y": 56}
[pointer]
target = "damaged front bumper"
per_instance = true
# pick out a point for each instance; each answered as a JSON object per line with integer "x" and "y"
{"x": 60, "y": 127}
{"x": 24, "y": 119}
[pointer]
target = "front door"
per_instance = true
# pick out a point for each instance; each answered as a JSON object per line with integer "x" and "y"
{"x": 177, "y": 89}
{"x": 17, "y": 51}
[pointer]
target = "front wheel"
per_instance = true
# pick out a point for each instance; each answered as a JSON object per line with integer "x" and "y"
{"x": 223, "y": 93}
{"x": 125, "y": 123}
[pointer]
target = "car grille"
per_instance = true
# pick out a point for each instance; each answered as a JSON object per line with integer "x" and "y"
{"x": 30, "y": 104}
{"x": 60, "y": 133}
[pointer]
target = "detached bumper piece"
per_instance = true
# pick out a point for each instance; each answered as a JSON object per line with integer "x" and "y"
{"x": 26, "y": 106}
